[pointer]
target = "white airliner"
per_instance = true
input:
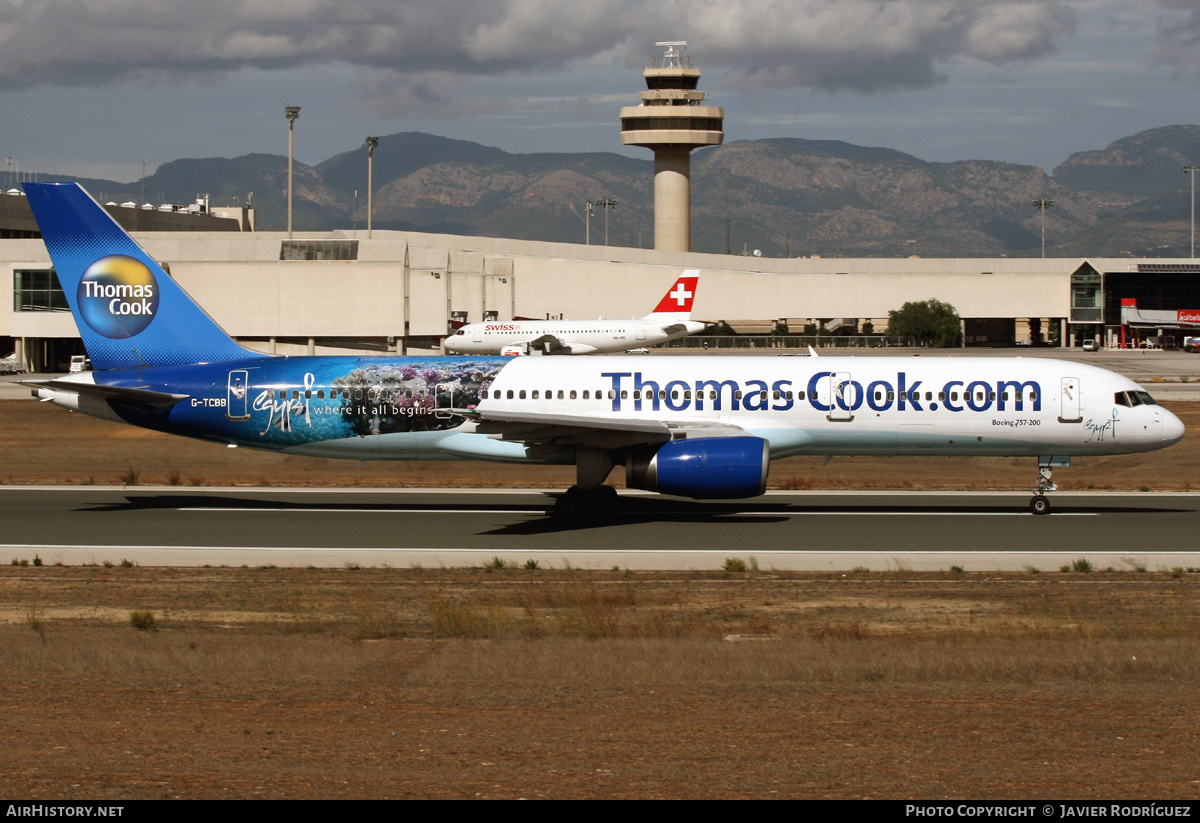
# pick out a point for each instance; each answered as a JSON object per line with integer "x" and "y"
{"x": 699, "y": 427}
{"x": 669, "y": 320}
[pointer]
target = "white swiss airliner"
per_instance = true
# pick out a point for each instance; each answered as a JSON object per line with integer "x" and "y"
{"x": 700, "y": 427}
{"x": 671, "y": 319}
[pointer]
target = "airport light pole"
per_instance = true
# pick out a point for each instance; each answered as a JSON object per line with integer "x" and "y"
{"x": 1192, "y": 171}
{"x": 606, "y": 204}
{"x": 1043, "y": 205}
{"x": 372, "y": 142}
{"x": 291, "y": 113}
{"x": 587, "y": 219}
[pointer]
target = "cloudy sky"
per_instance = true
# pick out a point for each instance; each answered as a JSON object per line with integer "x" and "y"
{"x": 90, "y": 87}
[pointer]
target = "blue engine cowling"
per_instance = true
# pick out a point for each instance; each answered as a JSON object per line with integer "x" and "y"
{"x": 706, "y": 467}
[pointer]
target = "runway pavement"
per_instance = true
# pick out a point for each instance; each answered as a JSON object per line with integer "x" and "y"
{"x": 782, "y": 530}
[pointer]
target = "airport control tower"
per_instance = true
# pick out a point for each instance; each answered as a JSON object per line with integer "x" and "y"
{"x": 671, "y": 122}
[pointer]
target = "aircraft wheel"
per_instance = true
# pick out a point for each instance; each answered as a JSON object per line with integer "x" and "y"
{"x": 570, "y": 505}
{"x": 1039, "y": 505}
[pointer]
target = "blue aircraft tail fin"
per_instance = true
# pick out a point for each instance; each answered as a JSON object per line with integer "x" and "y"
{"x": 130, "y": 313}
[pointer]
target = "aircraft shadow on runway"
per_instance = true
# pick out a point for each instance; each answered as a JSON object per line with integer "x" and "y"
{"x": 639, "y": 510}
{"x": 627, "y": 511}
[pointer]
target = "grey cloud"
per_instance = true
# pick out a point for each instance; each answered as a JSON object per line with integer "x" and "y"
{"x": 827, "y": 44}
{"x": 873, "y": 46}
{"x": 1178, "y": 44}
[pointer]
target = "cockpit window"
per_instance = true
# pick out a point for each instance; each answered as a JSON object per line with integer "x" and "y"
{"x": 1134, "y": 398}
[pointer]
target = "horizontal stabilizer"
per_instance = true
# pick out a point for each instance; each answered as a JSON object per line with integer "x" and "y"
{"x": 135, "y": 396}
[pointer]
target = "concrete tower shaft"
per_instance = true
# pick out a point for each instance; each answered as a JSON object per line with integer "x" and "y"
{"x": 671, "y": 121}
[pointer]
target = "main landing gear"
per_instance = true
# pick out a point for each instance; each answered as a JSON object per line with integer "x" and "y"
{"x": 588, "y": 498}
{"x": 1039, "y": 504}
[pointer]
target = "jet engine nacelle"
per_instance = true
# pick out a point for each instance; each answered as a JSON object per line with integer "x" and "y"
{"x": 706, "y": 467}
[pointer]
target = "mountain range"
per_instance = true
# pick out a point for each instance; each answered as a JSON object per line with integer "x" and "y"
{"x": 782, "y": 197}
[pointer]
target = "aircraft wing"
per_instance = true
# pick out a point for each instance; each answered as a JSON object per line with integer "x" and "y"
{"x": 592, "y": 432}
{"x": 136, "y": 396}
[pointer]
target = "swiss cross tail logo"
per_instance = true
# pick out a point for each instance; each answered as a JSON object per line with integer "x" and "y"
{"x": 679, "y": 297}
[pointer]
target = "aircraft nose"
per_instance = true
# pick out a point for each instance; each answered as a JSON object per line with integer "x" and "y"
{"x": 1172, "y": 428}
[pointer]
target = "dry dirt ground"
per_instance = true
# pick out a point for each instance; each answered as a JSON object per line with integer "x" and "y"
{"x": 518, "y": 683}
{"x": 538, "y": 683}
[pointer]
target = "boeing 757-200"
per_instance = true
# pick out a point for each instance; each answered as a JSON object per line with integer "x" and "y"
{"x": 699, "y": 427}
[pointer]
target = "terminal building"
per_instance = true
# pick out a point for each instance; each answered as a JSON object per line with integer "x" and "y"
{"x": 404, "y": 292}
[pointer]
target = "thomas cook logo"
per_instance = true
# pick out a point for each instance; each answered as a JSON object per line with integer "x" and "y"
{"x": 118, "y": 296}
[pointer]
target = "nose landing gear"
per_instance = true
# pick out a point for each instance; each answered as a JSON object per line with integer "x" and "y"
{"x": 1039, "y": 504}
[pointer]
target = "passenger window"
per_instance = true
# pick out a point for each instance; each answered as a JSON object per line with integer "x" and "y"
{"x": 510, "y": 394}
{"x": 624, "y": 394}
{"x": 737, "y": 395}
{"x": 585, "y": 394}
{"x": 535, "y": 394}
{"x": 560, "y": 394}
{"x": 572, "y": 394}
{"x": 928, "y": 395}
{"x": 891, "y": 396}
{"x": 775, "y": 395}
{"x": 991, "y": 395}
{"x": 521, "y": 394}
